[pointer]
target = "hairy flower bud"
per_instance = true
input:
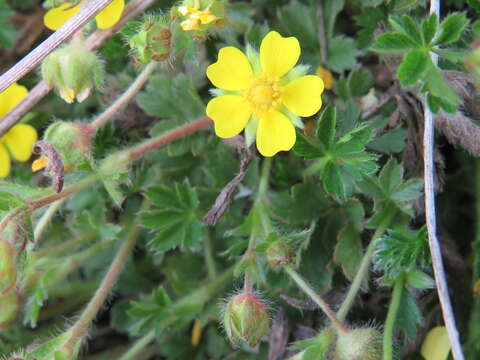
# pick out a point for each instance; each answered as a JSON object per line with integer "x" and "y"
{"x": 152, "y": 41}
{"x": 359, "y": 344}
{"x": 246, "y": 319}
{"x": 10, "y": 304}
{"x": 73, "y": 71}
{"x": 8, "y": 271}
{"x": 279, "y": 253}
{"x": 71, "y": 140}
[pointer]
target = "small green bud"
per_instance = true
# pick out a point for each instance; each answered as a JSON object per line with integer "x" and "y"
{"x": 10, "y": 304}
{"x": 152, "y": 41}
{"x": 73, "y": 71}
{"x": 359, "y": 344}
{"x": 246, "y": 319}
{"x": 279, "y": 253}
{"x": 8, "y": 271}
{"x": 71, "y": 140}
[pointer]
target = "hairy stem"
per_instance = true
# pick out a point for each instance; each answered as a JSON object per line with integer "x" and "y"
{"x": 122, "y": 100}
{"x": 80, "y": 327}
{"x": 259, "y": 210}
{"x": 94, "y": 41}
{"x": 430, "y": 214}
{"x": 46, "y": 218}
{"x": 391, "y": 316}
{"x": 362, "y": 272}
{"x": 138, "y": 347}
{"x": 302, "y": 284}
{"x": 29, "y": 62}
{"x": 163, "y": 139}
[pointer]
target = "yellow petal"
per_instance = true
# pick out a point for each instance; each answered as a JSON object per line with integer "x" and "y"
{"x": 436, "y": 345}
{"x": 230, "y": 114}
{"x": 56, "y": 17}
{"x": 232, "y": 71}
{"x": 19, "y": 140}
{"x": 190, "y": 24}
{"x": 278, "y": 55}
{"x": 110, "y": 15}
{"x": 303, "y": 96}
{"x": 39, "y": 164}
{"x": 206, "y": 17}
{"x": 4, "y": 162}
{"x": 10, "y": 97}
{"x": 275, "y": 133}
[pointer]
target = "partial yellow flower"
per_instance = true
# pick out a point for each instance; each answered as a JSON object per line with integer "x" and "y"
{"x": 195, "y": 17}
{"x": 18, "y": 141}
{"x": 263, "y": 94}
{"x": 326, "y": 76}
{"x": 109, "y": 16}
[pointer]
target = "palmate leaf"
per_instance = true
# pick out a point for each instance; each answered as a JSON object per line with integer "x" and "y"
{"x": 390, "y": 192}
{"x": 341, "y": 162}
{"x": 174, "y": 217}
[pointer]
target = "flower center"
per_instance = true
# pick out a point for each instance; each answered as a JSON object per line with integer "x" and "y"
{"x": 263, "y": 94}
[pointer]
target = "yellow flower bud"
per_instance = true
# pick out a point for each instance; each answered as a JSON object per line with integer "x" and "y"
{"x": 326, "y": 76}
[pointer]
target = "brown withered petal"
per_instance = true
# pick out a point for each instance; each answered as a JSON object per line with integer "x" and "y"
{"x": 54, "y": 168}
{"x": 223, "y": 199}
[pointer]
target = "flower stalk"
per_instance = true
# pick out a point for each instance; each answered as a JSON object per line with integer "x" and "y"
{"x": 391, "y": 317}
{"x": 302, "y": 284}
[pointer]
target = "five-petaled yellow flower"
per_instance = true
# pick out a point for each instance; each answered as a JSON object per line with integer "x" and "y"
{"x": 265, "y": 94}
{"x": 57, "y": 16}
{"x": 18, "y": 141}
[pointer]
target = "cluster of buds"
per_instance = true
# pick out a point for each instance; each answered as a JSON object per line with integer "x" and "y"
{"x": 152, "y": 41}
{"x": 200, "y": 15}
{"x": 246, "y": 319}
{"x": 74, "y": 71}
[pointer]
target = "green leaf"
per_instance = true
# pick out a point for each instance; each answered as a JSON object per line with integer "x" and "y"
{"x": 327, "y": 122}
{"x": 407, "y": 26}
{"x": 418, "y": 279}
{"x": 334, "y": 181}
{"x": 475, "y": 4}
{"x": 307, "y": 147}
{"x": 175, "y": 217}
{"x": 429, "y": 28}
{"x": 390, "y": 142}
{"x": 438, "y": 87}
{"x": 175, "y": 98}
{"x": 413, "y": 67}
{"x": 393, "y": 42}
{"x": 348, "y": 251}
{"x": 331, "y": 9}
{"x": 360, "y": 82}
{"x": 401, "y": 251}
{"x": 298, "y": 20}
{"x": 7, "y": 32}
{"x": 451, "y": 28}
{"x": 341, "y": 53}
{"x": 409, "y": 317}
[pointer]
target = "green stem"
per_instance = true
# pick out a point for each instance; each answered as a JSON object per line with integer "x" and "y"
{"x": 391, "y": 316}
{"x": 362, "y": 272}
{"x": 138, "y": 347}
{"x": 132, "y": 90}
{"x": 46, "y": 218}
{"x": 78, "y": 330}
{"x": 209, "y": 256}
{"x": 259, "y": 214}
{"x": 302, "y": 284}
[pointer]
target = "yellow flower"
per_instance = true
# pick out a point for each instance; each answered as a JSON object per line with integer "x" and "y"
{"x": 57, "y": 16}
{"x": 18, "y": 141}
{"x": 326, "y": 76}
{"x": 196, "y": 17}
{"x": 263, "y": 94}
